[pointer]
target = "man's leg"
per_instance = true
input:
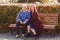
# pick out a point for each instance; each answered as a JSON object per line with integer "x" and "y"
{"x": 17, "y": 29}
{"x": 23, "y": 30}
{"x": 27, "y": 28}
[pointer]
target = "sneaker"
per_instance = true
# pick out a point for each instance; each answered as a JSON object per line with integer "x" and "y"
{"x": 23, "y": 35}
{"x": 17, "y": 36}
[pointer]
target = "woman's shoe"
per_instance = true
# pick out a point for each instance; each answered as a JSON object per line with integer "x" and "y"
{"x": 28, "y": 35}
{"x": 35, "y": 36}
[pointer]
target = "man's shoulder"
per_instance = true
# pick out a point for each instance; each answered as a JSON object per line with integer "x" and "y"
{"x": 28, "y": 10}
{"x": 20, "y": 11}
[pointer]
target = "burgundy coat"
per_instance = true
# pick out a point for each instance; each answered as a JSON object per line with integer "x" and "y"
{"x": 37, "y": 23}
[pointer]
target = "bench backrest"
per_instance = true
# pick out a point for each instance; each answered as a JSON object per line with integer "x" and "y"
{"x": 49, "y": 18}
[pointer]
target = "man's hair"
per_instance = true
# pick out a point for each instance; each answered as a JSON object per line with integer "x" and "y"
{"x": 24, "y": 5}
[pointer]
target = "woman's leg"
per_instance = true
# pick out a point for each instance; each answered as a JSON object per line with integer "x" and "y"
{"x": 33, "y": 28}
{"x": 28, "y": 28}
{"x": 33, "y": 31}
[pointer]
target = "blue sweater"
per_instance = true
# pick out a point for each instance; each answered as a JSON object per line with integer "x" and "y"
{"x": 22, "y": 16}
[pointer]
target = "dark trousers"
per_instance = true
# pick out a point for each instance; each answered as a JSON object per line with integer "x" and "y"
{"x": 24, "y": 27}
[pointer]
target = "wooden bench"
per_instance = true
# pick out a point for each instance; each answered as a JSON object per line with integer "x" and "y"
{"x": 12, "y": 27}
{"x": 49, "y": 20}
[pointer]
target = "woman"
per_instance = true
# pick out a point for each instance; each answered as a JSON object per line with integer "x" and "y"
{"x": 35, "y": 21}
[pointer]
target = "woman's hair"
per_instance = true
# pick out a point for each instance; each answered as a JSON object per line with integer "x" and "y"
{"x": 35, "y": 9}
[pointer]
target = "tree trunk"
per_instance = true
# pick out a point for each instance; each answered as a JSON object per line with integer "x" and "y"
{"x": 27, "y": 1}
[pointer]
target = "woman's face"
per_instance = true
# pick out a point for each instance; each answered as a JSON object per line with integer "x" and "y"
{"x": 32, "y": 8}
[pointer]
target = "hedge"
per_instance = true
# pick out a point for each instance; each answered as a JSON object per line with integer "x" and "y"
{"x": 8, "y": 13}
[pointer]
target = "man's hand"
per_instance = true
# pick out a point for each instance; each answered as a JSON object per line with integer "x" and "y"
{"x": 21, "y": 22}
{"x": 24, "y": 22}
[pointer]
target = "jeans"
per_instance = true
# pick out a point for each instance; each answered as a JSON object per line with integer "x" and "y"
{"x": 23, "y": 28}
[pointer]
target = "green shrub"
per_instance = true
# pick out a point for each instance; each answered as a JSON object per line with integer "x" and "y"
{"x": 48, "y": 9}
{"x": 8, "y": 15}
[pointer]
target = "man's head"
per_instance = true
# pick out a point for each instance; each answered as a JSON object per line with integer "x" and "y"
{"x": 24, "y": 7}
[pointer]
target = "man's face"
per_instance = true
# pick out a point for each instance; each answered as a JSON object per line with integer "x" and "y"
{"x": 24, "y": 7}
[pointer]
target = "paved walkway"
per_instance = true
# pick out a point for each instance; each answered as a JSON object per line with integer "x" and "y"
{"x": 8, "y": 36}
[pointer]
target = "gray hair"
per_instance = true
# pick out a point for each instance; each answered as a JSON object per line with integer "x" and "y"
{"x": 24, "y": 5}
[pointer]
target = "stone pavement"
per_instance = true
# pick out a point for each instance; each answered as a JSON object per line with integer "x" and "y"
{"x": 8, "y": 36}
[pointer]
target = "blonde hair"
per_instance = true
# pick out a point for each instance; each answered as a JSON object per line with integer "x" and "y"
{"x": 35, "y": 9}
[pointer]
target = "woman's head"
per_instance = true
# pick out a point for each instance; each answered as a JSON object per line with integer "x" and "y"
{"x": 32, "y": 8}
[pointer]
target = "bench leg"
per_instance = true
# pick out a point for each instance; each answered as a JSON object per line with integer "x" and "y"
{"x": 24, "y": 38}
{"x": 11, "y": 30}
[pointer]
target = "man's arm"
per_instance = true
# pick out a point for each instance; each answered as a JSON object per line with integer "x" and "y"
{"x": 28, "y": 17}
{"x": 26, "y": 21}
{"x": 18, "y": 17}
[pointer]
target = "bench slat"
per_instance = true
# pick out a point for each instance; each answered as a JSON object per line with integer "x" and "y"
{"x": 12, "y": 25}
{"x": 50, "y": 20}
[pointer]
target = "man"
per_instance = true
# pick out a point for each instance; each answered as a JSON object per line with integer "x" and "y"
{"x": 22, "y": 19}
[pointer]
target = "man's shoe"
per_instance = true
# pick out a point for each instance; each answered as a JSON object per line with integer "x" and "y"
{"x": 23, "y": 35}
{"x": 17, "y": 36}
